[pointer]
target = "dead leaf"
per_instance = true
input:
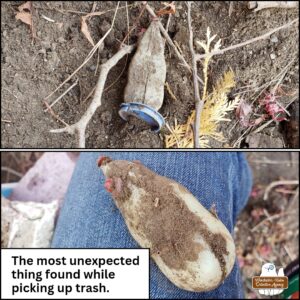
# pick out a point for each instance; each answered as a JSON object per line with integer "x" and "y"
{"x": 168, "y": 9}
{"x": 24, "y": 13}
{"x": 25, "y": 6}
{"x": 85, "y": 31}
{"x": 84, "y": 26}
{"x": 25, "y": 17}
{"x": 243, "y": 112}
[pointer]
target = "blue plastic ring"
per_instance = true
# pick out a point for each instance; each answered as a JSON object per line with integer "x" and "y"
{"x": 143, "y": 112}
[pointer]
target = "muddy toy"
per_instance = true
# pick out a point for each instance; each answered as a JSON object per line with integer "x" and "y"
{"x": 144, "y": 93}
{"x": 189, "y": 244}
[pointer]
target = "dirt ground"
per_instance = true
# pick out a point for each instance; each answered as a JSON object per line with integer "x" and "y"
{"x": 31, "y": 70}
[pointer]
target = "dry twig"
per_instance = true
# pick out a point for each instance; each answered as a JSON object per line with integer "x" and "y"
{"x": 10, "y": 170}
{"x": 276, "y": 183}
{"x": 64, "y": 93}
{"x": 55, "y": 116}
{"x": 198, "y": 102}
{"x": 134, "y": 25}
{"x": 80, "y": 126}
{"x": 90, "y": 55}
{"x": 167, "y": 37}
{"x": 261, "y": 37}
{"x": 258, "y": 5}
{"x": 270, "y": 218}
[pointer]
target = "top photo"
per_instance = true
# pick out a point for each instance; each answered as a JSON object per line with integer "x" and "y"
{"x": 149, "y": 74}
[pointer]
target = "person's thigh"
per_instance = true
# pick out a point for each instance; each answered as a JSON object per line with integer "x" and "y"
{"x": 90, "y": 219}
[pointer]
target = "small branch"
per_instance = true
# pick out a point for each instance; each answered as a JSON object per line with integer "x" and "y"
{"x": 55, "y": 116}
{"x": 10, "y": 170}
{"x": 261, "y": 37}
{"x": 90, "y": 55}
{"x": 198, "y": 102}
{"x": 276, "y": 183}
{"x": 167, "y": 37}
{"x": 258, "y": 5}
{"x": 80, "y": 126}
{"x": 270, "y": 218}
{"x": 133, "y": 26}
{"x": 64, "y": 93}
{"x": 6, "y": 121}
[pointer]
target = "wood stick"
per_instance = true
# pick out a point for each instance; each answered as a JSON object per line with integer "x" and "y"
{"x": 276, "y": 183}
{"x": 90, "y": 55}
{"x": 261, "y": 37}
{"x": 198, "y": 101}
{"x": 64, "y": 93}
{"x": 167, "y": 37}
{"x": 258, "y": 5}
{"x": 80, "y": 126}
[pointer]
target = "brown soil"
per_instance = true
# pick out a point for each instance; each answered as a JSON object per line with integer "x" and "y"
{"x": 31, "y": 70}
{"x": 164, "y": 218}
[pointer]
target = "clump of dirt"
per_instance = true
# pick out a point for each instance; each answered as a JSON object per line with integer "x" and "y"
{"x": 164, "y": 218}
{"x": 32, "y": 69}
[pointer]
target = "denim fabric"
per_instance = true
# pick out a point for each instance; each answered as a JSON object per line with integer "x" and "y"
{"x": 90, "y": 219}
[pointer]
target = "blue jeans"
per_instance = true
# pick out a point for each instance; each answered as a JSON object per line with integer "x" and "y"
{"x": 90, "y": 219}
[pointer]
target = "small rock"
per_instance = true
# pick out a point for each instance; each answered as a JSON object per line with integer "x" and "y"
{"x": 272, "y": 56}
{"x": 46, "y": 45}
{"x": 274, "y": 39}
{"x": 130, "y": 127}
{"x": 53, "y": 61}
{"x": 92, "y": 68}
{"x": 5, "y": 33}
{"x": 61, "y": 40}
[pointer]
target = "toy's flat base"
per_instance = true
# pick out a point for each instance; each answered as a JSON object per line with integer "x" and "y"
{"x": 142, "y": 112}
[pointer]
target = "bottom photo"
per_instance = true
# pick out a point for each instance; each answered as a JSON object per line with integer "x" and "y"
{"x": 215, "y": 225}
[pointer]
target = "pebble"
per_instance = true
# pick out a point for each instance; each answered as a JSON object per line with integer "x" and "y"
{"x": 274, "y": 39}
{"x": 130, "y": 127}
{"x": 272, "y": 56}
{"x": 61, "y": 39}
{"x": 92, "y": 68}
